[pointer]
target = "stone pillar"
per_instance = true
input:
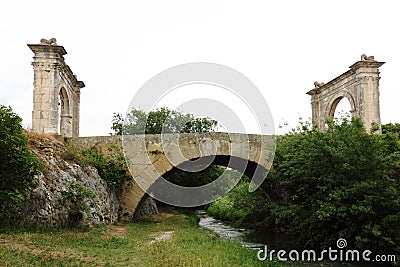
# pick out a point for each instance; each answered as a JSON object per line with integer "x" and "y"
{"x": 51, "y": 75}
{"x": 45, "y": 92}
{"x": 367, "y": 77}
{"x": 316, "y": 111}
{"x": 75, "y": 113}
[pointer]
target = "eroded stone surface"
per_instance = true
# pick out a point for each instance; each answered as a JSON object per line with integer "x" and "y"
{"x": 45, "y": 205}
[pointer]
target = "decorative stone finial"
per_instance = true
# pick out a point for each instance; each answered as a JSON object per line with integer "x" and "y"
{"x": 367, "y": 58}
{"x": 318, "y": 85}
{"x": 52, "y": 41}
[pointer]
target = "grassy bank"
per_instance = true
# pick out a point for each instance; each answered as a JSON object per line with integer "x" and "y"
{"x": 168, "y": 239}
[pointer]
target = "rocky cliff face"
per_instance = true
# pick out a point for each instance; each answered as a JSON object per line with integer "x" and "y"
{"x": 46, "y": 205}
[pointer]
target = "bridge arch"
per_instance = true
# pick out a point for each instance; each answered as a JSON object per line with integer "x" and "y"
{"x": 251, "y": 155}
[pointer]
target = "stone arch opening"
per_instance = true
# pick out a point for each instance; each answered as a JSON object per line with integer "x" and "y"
{"x": 64, "y": 113}
{"x": 338, "y": 99}
{"x": 339, "y": 106}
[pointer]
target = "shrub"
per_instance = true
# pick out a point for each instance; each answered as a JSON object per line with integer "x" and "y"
{"x": 110, "y": 165}
{"x": 240, "y": 206}
{"x": 337, "y": 184}
{"x": 18, "y": 165}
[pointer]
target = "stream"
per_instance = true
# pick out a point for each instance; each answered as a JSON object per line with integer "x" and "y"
{"x": 256, "y": 240}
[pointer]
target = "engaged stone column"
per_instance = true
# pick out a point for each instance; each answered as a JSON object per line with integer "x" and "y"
{"x": 367, "y": 77}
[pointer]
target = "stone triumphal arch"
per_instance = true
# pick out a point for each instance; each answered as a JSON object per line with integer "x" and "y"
{"x": 56, "y": 93}
{"x": 360, "y": 85}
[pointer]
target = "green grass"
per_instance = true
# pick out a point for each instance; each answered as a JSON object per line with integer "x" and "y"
{"x": 133, "y": 244}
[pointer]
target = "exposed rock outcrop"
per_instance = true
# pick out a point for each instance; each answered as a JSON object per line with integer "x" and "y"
{"x": 46, "y": 205}
{"x": 147, "y": 206}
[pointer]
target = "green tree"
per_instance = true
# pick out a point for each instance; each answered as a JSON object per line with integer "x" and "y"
{"x": 158, "y": 121}
{"x": 391, "y": 128}
{"x": 18, "y": 165}
{"x": 337, "y": 184}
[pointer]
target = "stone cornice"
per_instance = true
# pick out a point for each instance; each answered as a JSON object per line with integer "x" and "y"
{"x": 366, "y": 64}
{"x": 47, "y": 48}
{"x": 77, "y": 84}
{"x": 351, "y": 71}
{"x": 60, "y": 50}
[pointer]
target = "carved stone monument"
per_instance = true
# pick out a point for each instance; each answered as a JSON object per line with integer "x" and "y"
{"x": 360, "y": 85}
{"x": 56, "y": 91}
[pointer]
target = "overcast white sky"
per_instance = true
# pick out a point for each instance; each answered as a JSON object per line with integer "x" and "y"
{"x": 116, "y": 46}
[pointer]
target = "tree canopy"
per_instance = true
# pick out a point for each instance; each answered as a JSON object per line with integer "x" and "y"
{"x": 162, "y": 120}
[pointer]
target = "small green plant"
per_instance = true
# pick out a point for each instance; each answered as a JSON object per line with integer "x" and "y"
{"x": 76, "y": 196}
{"x": 73, "y": 155}
{"x": 110, "y": 165}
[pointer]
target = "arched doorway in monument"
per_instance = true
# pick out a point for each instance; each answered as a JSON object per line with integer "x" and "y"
{"x": 341, "y": 109}
{"x": 64, "y": 113}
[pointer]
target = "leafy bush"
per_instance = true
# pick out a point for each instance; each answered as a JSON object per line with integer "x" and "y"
{"x": 240, "y": 206}
{"x": 18, "y": 165}
{"x": 110, "y": 165}
{"x": 391, "y": 128}
{"x": 337, "y": 184}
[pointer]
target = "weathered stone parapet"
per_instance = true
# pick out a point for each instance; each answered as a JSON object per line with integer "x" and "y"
{"x": 56, "y": 93}
{"x": 360, "y": 85}
{"x": 100, "y": 142}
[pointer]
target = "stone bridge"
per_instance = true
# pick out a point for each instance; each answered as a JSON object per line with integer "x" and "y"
{"x": 149, "y": 157}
